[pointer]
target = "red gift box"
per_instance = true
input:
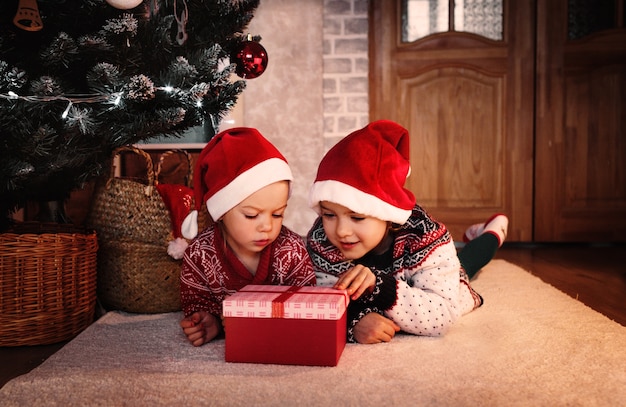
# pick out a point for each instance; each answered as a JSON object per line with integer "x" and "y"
{"x": 286, "y": 325}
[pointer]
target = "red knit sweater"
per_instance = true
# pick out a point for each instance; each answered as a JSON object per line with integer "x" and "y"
{"x": 211, "y": 271}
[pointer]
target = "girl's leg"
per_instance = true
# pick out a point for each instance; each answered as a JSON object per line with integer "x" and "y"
{"x": 478, "y": 252}
{"x": 482, "y": 242}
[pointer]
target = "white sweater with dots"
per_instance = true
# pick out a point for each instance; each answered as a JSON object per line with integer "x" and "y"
{"x": 432, "y": 289}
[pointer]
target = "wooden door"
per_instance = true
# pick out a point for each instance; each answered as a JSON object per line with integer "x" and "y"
{"x": 581, "y": 121}
{"x": 467, "y": 101}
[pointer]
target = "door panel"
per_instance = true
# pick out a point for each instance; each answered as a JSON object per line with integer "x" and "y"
{"x": 581, "y": 129}
{"x": 467, "y": 102}
{"x": 462, "y": 180}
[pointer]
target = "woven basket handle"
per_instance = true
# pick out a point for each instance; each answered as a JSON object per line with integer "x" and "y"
{"x": 149, "y": 167}
{"x": 188, "y": 177}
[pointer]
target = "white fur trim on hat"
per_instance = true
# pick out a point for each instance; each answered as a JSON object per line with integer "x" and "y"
{"x": 189, "y": 227}
{"x": 248, "y": 182}
{"x": 356, "y": 200}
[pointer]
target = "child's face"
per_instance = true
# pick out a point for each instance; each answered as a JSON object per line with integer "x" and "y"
{"x": 353, "y": 234}
{"x": 255, "y": 223}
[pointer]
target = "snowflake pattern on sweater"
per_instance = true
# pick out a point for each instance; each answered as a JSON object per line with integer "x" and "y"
{"x": 210, "y": 271}
{"x": 432, "y": 289}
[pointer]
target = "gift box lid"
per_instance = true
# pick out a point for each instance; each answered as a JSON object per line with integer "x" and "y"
{"x": 273, "y": 301}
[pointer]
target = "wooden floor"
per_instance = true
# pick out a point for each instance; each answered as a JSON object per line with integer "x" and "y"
{"x": 594, "y": 274}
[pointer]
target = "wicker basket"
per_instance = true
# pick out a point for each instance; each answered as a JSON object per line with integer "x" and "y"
{"x": 47, "y": 283}
{"x": 135, "y": 273}
{"x": 138, "y": 277}
{"x": 126, "y": 209}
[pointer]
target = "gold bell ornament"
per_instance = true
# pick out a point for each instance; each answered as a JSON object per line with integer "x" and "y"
{"x": 27, "y": 16}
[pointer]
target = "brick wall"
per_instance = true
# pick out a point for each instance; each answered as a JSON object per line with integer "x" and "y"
{"x": 345, "y": 68}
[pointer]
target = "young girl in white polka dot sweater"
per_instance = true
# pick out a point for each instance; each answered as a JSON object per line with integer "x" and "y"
{"x": 399, "y": 265}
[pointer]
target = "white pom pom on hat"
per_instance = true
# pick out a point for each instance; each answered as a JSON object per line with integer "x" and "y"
{"x": 232, "y": 166}
{"x": 366, "y": 172}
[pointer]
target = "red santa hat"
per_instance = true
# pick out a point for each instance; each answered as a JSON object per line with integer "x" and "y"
{"x": 234, "y": 164}
{"x": 178, "y": 201}
{"x": 366, "y": 172}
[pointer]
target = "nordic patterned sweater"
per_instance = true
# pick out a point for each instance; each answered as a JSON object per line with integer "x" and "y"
{"x": 428, "y": 290}
{"x": 211, "y": 271}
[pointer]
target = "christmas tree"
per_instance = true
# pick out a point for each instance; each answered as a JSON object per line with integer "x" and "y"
{"x": 80, "y": 78}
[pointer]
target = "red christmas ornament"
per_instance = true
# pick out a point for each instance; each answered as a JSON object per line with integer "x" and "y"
{"x": 124, "y": 4}
{"x": 250, "y": 58}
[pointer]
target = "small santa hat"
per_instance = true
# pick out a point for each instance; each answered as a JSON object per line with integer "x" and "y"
{"x": 366, "y": 172}
{"x": 178, "y": 201}
{"x": 234, "y": 164}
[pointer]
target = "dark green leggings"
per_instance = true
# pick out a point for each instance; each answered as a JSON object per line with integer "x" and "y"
{"x": 478, "y": 252}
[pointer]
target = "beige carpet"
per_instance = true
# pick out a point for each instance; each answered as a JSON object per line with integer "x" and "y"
{"x": 529, "y": 345}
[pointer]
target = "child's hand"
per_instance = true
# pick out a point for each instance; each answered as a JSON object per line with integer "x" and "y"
{"x": 375, "y": 328}
{"x": 200, "y": 327}
{"x": 356, "y": 281}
